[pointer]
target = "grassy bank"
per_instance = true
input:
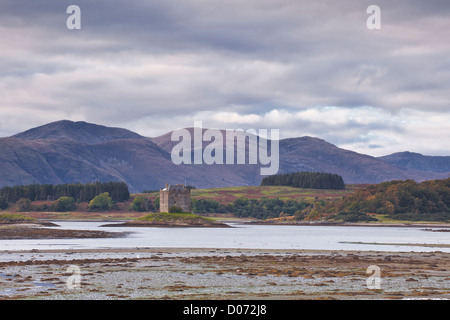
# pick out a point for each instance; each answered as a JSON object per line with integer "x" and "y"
{"x": 163, "y": 216}
{"x": 228, "y": 195}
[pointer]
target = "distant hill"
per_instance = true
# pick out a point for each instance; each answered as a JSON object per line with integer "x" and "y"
{"x": 66, "y": 152}
{"x": 313, "y": 154}
{"x": 417, "y": 161}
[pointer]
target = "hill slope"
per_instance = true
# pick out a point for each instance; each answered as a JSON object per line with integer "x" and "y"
{"x": 313, "y": 154}
{"x": 417, "y": 161}
{"x": 66, "y": 151}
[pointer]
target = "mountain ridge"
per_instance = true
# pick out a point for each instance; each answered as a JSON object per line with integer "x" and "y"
{"x": 80, "y": 131}
{"x": 417, "y": 161}
{"x": 70, "y": 152}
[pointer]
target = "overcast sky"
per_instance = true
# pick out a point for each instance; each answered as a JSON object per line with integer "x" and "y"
{"x": 304, "y": 67}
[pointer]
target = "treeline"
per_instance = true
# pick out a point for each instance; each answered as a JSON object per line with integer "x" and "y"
{"x": 157, "y": 190}
{"x": 256, "y": 208}
{"x": 242, "y": 207}
{"x": 118, "y": 191}
{"x": 312, "y": 180}
{"x": 401, "y": 200}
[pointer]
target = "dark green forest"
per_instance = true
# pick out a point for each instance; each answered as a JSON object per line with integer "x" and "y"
{"x": 118, "y": 191}
{"x": 311, "y": 180}
{"x": 256, "y": 208}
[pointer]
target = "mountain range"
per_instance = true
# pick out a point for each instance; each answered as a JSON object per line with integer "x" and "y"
{"x": 71, "y": 152}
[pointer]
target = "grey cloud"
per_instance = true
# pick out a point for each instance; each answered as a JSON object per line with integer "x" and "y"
{"x": 176, "y": 59}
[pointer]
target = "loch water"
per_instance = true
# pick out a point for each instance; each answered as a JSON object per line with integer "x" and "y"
{"x": 247, "y": 236}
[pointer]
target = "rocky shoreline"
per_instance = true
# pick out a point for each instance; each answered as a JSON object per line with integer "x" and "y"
{"x": 352, "y": 224}
{"x": 222, "y": 274}
{"x": 36, "y": 231}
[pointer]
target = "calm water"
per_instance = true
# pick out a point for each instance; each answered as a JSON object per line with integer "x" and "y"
{"x": 247, "y": 236}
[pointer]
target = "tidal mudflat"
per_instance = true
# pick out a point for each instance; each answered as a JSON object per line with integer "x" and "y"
{"x": 185, "y": 273}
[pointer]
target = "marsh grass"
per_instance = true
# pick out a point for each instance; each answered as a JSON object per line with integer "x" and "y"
{"x": 14, "y": 217}
{"x": 163, "y": 216}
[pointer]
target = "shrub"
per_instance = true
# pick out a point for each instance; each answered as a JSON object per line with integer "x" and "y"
{"x": 353, "y": 216}
{"x": 14, "y": 217}
{"x": 23, "y": 204}
{"x": 101, "y": 202}
{"x": 156, "y": 203}
{"x": 299, "y": 215}
{"x": 63, "y": 204}
{"x": 175, "y": 209}
{"x": 209, "y": 206}
{"x": 142, "y": 204}
{"x": 42, "y": 207}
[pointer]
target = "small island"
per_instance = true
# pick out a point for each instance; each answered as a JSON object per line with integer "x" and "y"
{"x": 175, "y": 211}
{"x": 171, "y": 220}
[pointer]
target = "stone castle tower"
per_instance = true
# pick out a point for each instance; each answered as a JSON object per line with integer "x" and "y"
{"x": 175, "y": 195}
